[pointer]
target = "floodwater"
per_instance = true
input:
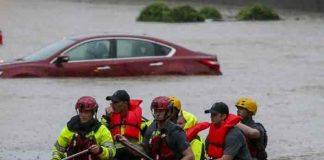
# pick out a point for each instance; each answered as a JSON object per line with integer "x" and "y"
{"x": 280, "y": 64}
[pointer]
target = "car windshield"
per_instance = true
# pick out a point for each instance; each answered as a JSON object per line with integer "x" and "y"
{"x": 49, "y": 50}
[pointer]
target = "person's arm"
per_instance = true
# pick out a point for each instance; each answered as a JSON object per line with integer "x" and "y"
{"x": 250, "y": 132}
{"x": 234, "y": 141}
{"x": 187, "y": 154}
{"x": 105, "y": 145}
{"x": 61, "y": 144}
{"x": 183, "y": 144}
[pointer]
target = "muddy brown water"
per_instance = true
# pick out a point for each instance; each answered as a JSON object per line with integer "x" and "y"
{"x": 278, "y": 63}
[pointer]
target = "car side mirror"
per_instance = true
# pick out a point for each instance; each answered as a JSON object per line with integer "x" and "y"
{"x": 61, "y": 59}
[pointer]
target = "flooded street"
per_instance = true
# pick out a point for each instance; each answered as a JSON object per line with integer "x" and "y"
{"x": 280, "y": 64}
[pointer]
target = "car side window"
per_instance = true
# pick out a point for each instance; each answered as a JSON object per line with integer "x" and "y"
{"x": 162, "y": 50}
{"x": 143, "y": 48}
{"x": 139, "y": 48}
{"x": 98, "y": 49}
{"x": 124, "y": 48}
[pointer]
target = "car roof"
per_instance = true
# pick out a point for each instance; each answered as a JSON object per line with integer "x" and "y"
{"x": 85, "y": 37}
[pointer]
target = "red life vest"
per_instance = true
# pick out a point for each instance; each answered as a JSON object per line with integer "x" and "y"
{"x": 132, "y": 121}
{"x": 160, "y": 144}
{"x": 160, "y": 149}
{"x": 216, "y": 136}
{"x": 79, "y": 144}
{"x": 192, "y": 132}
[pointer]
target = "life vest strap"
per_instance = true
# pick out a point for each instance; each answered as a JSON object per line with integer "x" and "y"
{"x": 217, "y": 145}
{"x": 128, "y": 124}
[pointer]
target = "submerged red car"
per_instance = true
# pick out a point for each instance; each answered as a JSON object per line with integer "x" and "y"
{"x": 111, "y": 55}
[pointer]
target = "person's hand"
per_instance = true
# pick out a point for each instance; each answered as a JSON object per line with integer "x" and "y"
{"x": 109, "y": 110}
{"x": 95, "y": 149}
{"x": 120, "y": 138}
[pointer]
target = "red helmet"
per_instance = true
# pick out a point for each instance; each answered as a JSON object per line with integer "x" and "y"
{"x": 86, "y": 103}
{"x": 161, "y": 102}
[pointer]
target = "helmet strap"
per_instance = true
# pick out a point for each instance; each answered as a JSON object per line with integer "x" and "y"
{"x": 166, "y": 115}
{"x": 95, "y": 115}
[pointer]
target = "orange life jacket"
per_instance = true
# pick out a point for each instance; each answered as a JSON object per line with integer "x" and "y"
{"x": 132, "y": 121}
{"x": 192, "y": 132}
{"x": 216, "y": 136}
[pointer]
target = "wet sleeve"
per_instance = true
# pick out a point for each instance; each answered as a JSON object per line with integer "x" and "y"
{"x": 259, "y": 128}
{"x": 61, "y": 144}
{"x": 105, "y": 141}
{"x": 145, "y": 143}
{"x": 181, "y": 141}
{"x": 233, "y": 142}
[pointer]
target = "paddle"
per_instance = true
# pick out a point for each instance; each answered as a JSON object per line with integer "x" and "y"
{"x": 77, "y": 154}
{"x": 131, "y": 147}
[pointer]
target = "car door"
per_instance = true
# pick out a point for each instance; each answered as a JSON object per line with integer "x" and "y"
{"x": 141, "y": 57}
{"x": 89, "y": 59}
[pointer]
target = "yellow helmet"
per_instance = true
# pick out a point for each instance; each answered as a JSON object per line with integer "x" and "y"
{"x": 175, "y": 102}
{"x": 248, "y": 104}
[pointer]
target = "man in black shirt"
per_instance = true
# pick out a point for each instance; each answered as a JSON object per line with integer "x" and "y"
{"x": 254, "y": 132}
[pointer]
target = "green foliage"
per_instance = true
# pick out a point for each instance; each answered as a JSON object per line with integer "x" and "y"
{"x": 159, "y": 12}
{"x": 257, "y": 12}
{"x": 186, "y": 14}
{"x": 210, "y": 13}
